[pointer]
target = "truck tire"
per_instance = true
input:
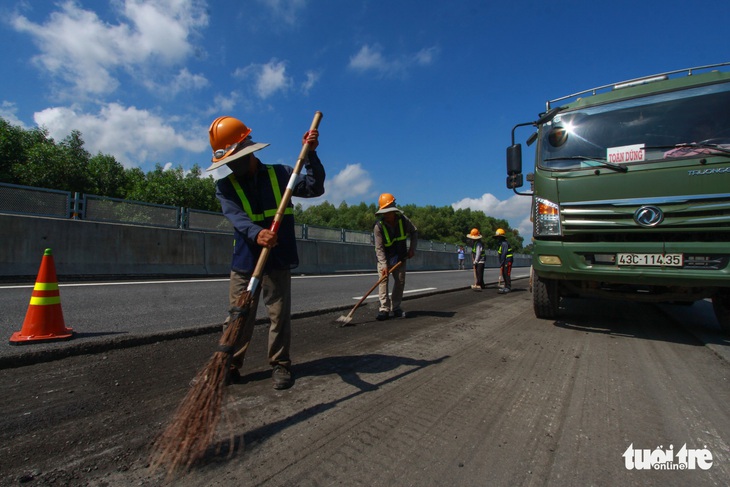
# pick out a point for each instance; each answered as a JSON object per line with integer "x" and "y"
{"x": 545, "y": 297}
{"x": 721, "y": 305}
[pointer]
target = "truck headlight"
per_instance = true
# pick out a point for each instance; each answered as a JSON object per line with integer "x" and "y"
{"x": 547, "y": 218}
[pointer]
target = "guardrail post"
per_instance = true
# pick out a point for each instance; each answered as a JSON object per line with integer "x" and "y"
{"x": 182, "y": 218}
{"x": 76, "y": 206}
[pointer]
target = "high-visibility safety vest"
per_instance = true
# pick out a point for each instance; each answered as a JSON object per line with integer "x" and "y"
{"x": 401, "y": 235}
{"x": 482, "y": 258}
{"x": 508, "y": 255}
{"x": 396, "y": 247}
{"x": 268, "y": 213}
{"x": 245, "y": 253}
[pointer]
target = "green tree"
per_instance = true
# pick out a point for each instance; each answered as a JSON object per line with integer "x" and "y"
{"x": 199, "y": 192}
{"x": 45, "y": 164}
{"x": 14, "y": 144}
{"x": 107, "y": 177}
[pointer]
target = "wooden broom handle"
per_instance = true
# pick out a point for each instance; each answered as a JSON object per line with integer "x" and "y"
{"x": 382, "y": 278}
{"x": 259, "y": 269}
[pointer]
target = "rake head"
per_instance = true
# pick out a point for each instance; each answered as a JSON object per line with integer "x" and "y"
{"x": 345, "y": 320}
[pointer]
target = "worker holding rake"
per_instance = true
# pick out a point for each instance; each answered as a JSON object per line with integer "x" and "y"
{"x": 249, "y": 197}
{"x": 391, "y": 231}
{"x": 478, "y": 258}
{"x": 505, "y": 260}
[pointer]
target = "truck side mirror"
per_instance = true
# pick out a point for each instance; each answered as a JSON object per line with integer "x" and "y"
{"x": 514, "y": 159}
{"x": 514, "y": 166}
{"x": 514, "y": 181}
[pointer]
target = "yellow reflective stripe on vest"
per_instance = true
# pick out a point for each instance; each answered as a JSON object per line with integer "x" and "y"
{"x": 402, "y": 236}
{"x": 259, "y": 217}
{"x": 277, "y": 192}
{"x": 244, "y": 201}
{"x": 509, "y": 251}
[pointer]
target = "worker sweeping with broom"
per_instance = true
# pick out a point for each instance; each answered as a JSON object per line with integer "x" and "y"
{"x": 256, "y": 198}
{"x": 249, "y": 197}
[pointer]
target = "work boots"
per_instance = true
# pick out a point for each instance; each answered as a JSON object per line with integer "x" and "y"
{"x": 282, "y": 377}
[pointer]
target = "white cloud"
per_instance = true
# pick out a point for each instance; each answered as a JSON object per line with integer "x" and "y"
{"x": 268, "y": 78}
{"x": 350, "y": 184}
{"x": 86, "y": 52}
{"x": 183, "y": 81}
{"x": 371, "y": 59}
{"x": 132, "y": 136}
{"x": 312, "y": 78}
{"x": 224, "y": 104}
{"x": 424, "y": 57}
{"x": 514, "y": 209}
{"x": 8, "y": 111}
{"x": 272, "y": 78}
{"x": 286, "y": 10}
{"x": 368, "y": 58}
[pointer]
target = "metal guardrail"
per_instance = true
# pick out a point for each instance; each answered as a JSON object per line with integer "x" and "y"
{"x": 26, "y": 200}
{"x": 115, "y": 210}
{"x": 209, "y": 221}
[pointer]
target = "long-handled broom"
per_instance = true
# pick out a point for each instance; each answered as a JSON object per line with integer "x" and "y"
{"x": 194, "y": 424}
{"x": 346, "y": 319}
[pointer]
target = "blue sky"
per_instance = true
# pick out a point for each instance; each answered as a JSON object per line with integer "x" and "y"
{"x": 419, "y": 97}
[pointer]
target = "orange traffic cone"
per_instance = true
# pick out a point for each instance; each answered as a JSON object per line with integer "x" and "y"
{"x": 44, "y": 319}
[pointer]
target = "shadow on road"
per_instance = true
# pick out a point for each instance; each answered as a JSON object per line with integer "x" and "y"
{"x": 347, "y": 367}
{"x": 664, "y": 323}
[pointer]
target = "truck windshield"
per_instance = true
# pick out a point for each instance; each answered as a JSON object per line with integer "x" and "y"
{"x": 667, "y": 126}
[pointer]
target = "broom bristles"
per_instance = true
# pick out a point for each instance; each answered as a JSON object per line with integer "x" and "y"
{"x": 194, "y": 424}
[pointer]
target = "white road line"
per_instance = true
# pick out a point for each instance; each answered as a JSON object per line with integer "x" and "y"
{"x": 224, "y": 279}
{"x": 404, "y": 292}
{"x": 123, "y": 283}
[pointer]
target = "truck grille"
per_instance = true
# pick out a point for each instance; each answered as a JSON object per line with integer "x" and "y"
{"x": 685, "y": 218}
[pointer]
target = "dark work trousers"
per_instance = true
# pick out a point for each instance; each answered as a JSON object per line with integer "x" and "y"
{"x": 507, "y": 274}
{"x": 479, "y": 274}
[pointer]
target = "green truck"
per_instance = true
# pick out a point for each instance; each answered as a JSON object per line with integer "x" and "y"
{"x": 631, "y": 192}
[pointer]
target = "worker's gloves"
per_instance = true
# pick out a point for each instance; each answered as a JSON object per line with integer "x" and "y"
{"x": 311, "y": 137}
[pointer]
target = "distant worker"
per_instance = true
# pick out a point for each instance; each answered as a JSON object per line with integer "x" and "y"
{"x": 505, "y": 260}
{"x": 391, "y": 231}
{"x": 478, "y": 258}
{"x": 461, "y": 257}
{"x": 250, "y": 196}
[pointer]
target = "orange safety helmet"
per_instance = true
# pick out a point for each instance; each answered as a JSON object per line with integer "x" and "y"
{"x": 474, "y": 234}
{"x": 385, "y": 200}
{"x": 499, "y": 232}
{"x": 225, "y": 132}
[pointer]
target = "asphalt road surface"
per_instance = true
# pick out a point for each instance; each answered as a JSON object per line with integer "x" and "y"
{"x": 139, "y": 311}
{"x": 470, "y": 390}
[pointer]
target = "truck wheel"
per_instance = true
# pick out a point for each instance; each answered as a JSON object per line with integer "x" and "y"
{"x": 545, "y": 297}
{"x": 721, "y": 305}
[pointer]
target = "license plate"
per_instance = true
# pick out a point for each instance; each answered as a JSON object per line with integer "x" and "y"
{"x": 668, "y": 260}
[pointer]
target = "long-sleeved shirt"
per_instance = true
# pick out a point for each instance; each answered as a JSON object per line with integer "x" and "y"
{"x": 478, "y": 255}
{"x": 504, "y": 252}
{"x": 260, "y": 199}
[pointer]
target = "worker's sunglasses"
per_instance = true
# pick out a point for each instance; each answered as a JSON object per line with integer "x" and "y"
{"x": 222, "y": 152}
